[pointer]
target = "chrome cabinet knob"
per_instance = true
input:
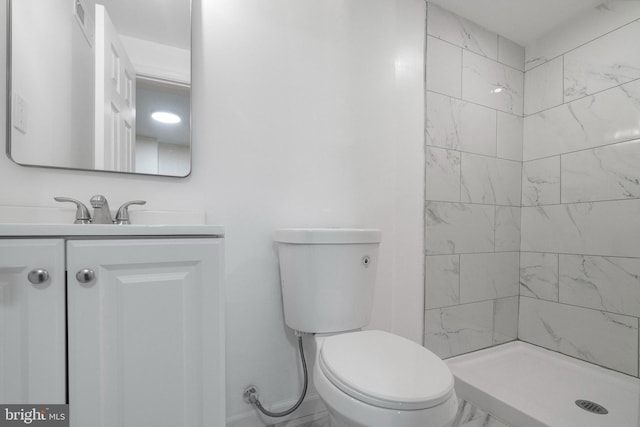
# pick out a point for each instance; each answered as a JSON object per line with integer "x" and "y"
{"x": 86, "y": 275}
{"x": 38, "y": 276}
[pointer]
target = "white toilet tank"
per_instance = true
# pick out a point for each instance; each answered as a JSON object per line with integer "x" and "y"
{"x": 328, "y": 277}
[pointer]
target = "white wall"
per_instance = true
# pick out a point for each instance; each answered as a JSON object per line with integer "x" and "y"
{"x": 305, "y": 113}
{"x": 303, "y": 100}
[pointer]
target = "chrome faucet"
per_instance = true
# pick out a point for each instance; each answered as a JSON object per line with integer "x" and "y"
{"x": 101, "y": 211}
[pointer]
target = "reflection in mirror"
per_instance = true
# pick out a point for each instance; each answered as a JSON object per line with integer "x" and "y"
{"x": 87, "y": 77}
{"x": 162, "y": 144}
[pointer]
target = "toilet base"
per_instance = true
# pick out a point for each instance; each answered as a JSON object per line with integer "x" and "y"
{"x": 335, "y": 420}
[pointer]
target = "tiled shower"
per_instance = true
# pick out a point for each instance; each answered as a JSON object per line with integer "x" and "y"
{"x": 474, "y": 101}
{"x": 580, "y": 292}
{"x": 532, "y": 182}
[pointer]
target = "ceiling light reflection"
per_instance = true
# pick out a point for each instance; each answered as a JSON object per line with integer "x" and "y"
{"x": 166, "y": 117}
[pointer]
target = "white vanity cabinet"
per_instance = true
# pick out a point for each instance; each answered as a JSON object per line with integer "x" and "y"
{"x": 144, "y": 329}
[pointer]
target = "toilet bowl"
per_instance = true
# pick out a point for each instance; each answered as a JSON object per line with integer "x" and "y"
{"x": 377, "y": 379}
{"x": 365, "y": 378}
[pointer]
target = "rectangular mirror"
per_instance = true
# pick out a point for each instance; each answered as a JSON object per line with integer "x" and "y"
{"x": 100, "y": 85}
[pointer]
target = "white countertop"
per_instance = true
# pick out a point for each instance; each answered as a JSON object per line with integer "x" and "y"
{"x": 62, "y": 230}
{"x": 37, "y": 221}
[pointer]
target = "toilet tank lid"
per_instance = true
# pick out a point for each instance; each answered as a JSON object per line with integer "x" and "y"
{"x": 334, "y": 236}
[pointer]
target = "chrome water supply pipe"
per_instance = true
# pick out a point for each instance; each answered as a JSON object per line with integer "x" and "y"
{"x": 251, "y": 394}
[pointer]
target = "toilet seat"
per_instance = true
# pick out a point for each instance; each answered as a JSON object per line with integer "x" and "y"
{"x": 385, "y": 370}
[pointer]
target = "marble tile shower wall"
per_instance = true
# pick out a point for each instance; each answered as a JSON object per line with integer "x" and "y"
{"x": 580, "y": 260}
{"x": 474, "y": 128}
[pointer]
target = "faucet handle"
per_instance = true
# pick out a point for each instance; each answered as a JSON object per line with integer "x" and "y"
{"x": 122, "y": 216}
{"x": 82, "y": 213}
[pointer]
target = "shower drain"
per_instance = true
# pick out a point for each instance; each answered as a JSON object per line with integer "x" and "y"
{"x": 592, "y": 407}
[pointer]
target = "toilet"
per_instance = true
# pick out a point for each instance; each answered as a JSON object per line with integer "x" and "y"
{"x": 365, "y": 378}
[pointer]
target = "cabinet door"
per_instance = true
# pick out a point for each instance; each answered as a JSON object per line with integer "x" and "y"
{"x": 32, "y": 322}
{"x": 146, "y": 336}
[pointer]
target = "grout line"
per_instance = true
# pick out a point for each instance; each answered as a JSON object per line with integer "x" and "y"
{"x": 424, "y": 191}
{"x": 524, "y": 97}
{"x": 555, "y": 105}
{"x": 564, "y": 101}
{"x": 478, "y": 253}
{"x": 459, "y": 278}
{"x": 519, "y": 295}
{"x": 579, "y": 46}
{"x": 461, "y": 73}
{"x": 635, "y": 139}
{"x": 480, "y": 301}
{"x": 560, "y": 173}
{"x": 490, "y": 204}
{"x": 475, "y": 154}
{"x": 558, "y": 274}
{"x": 474, "y": 103}
{"x": 566, "y": 253}
{"x": 630, "y": 199}
{"x": 460, "y": 179}
{"x": 630, "y": 316}
{"x": 581, "y": 98}
{"x": 497, "y": 61}
{"x": 493, "y": 324}
{"x": 497, "y": 134}
{"x": 495, "y": 225}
